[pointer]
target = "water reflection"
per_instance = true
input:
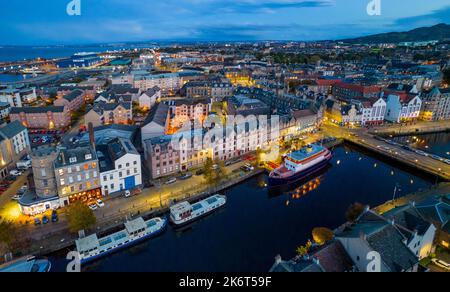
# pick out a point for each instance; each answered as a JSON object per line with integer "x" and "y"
{"x": 300, "y": 188}
{"x": 438, "y": 143}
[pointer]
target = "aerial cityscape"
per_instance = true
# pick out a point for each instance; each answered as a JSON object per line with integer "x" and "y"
{"x": 225, "y": 136}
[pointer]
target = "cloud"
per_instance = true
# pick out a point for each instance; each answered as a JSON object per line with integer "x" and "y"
{"x": 435, "y": 17}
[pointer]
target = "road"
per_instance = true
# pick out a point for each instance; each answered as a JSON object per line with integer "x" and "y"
{"x": 363, "y": 138}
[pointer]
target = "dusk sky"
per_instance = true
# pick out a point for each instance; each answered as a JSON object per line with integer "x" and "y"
{"x": 39, "y": 22}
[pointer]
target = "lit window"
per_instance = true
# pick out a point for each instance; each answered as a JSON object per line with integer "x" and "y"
{"x": 62, "y": 182}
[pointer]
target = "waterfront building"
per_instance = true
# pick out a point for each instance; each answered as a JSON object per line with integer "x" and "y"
{"x": 405, "y": 109}
{"x": 374, "y": 233}
{"x": 149, "y": 98}
{"x": 109, "y": 113}
{"x": 120, "y": 166}
{"x": 49, "y": 117}
{"x": 374, "y": 112}
{"x": 437, "y": 211}
{"x": 343, "y": 113}
{"x": 73, "y": 101}
{"x": 436, "y": 104}
{"x": 330, "y": 258}
{"x": 42, "y": 194}
{"x": 77, "y": 175}
{"x": 419, "y": 233}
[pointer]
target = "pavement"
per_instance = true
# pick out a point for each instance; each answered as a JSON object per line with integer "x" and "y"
{"x": 362, "y": 137}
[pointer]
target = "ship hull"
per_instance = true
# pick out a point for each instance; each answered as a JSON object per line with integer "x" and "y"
{"x": 135, "y": 242}
{"x": 278, "y": 181}
{"x": 177, "y": 225}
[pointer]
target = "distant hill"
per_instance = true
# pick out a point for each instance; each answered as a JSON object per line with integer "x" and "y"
{"x": 437, "y": 32}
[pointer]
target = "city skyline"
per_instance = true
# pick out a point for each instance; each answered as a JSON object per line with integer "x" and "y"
{"x": 102, "y": 21}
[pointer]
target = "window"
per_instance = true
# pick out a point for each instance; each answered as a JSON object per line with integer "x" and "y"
{"x": 95, "y": 174}
{"x": 135, "y": 170}
{"x": 128, "y": 165}
{"x": 112, "y": 186}
{"x": 135, "y": 162}
{"x": 72, "y": 159}
{"x": 120, "y": 166}
{"x": 69, "y": 170}
{"x": 120, "y": 174}
{"x": 62, "y": 182}
{"x": 79, "y": 177}
{"x": 87, "y": 175}
{"x": 61, "y": 171}
{"x": 105, "y": 178}
{"x": 43, "y": 172}
{"x": 70, "y": 179}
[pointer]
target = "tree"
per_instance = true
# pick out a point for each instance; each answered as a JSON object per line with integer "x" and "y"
{"x": 215, "y": 171}
{"x": 322, "y": 235}
{"x": 80, "y": 217}
{"x": 354, "y": 211}
{"x": 304, "y": 250}
{"x": 8, "y": 233}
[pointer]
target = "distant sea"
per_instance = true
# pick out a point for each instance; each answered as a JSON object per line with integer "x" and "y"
{"x": 19, "y": 53}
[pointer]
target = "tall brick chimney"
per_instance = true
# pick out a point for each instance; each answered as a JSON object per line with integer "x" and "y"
{"x": 91, "y": 136}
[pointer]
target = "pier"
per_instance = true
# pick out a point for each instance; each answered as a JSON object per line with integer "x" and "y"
{"x": 364, "y": 139}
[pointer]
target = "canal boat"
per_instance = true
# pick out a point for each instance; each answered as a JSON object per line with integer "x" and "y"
{"x": 29, "y": 264}
{"x": 92, "y": 248}
{"x": 301, "y": 164}
{"x": 184, "y": 213}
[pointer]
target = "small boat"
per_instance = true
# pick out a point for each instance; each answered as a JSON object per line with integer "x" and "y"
{"x": 29, "y": 264}
{"x": 92, "y": 248}
{"x": 184, "y": 213}
{"x": 301, "y": 164}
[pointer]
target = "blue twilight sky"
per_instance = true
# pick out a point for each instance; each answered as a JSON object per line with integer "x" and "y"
{"x": 39, "y": 22}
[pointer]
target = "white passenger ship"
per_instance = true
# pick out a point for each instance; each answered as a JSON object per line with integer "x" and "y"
{"x": 184, "y": 213}
{"x": 92, "y": 248}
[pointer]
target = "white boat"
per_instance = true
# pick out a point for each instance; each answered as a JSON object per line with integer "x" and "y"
{"x": 184, "y": 213}
{"x": 301, "y": 164}
{"x": 27, "y": 265}
{"x": 92, "y": 248}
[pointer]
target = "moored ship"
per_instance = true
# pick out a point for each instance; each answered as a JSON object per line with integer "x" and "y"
{"x": 92, "y": 248}
{"x": 300, "y": 164}
{"x": 29, "y": 264}
{"x": 185, "y": 213}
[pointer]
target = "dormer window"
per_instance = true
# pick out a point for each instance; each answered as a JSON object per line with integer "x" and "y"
{"x": 88, "y": 156}
{"x": 72, "y": 159}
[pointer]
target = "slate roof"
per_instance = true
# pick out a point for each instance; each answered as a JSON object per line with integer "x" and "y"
{"x": 409, "y": 218}
{"x": 111, "y": 151}
{"x": 12, "y": 129}
{"x": 435, "y": 210}
{"x": 73, "y": 95}
{"x": 80, "y": 153}
{"x": 158, "y": 115}
{"x": 300, "y": 266}
{"x": 385, "y": 238}
{"x": 37, "y": 110}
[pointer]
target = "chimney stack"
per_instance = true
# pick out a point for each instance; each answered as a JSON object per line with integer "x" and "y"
{"x": 91, "y": 136}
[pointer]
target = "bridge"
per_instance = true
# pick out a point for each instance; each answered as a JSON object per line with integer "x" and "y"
{"x": 362, "y": 138}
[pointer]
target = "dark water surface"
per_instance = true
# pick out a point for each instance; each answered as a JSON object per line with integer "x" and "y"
{"x": 258, "y": 223}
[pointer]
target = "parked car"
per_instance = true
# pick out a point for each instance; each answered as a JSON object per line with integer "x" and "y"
{"x": 100, "y": 203}
{"x": 127, "y": 194}
{"x": 441, "y": 264}
{"x": 93, "y": 207}
{"x": 15, "y": 172}
{"x": 37, "y": 221}
{"x": 200, "y": 172}
{"x": 44, "y": 220}
{"x": 249, "y": 166}
{"x": 171, "y": 181}
{"x": 186, "y": 176}
{"x": 54, "y": 216}
{"x": 447, "y": 161}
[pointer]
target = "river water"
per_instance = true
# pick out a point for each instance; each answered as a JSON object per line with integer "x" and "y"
{"x": 258, "y": 223}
